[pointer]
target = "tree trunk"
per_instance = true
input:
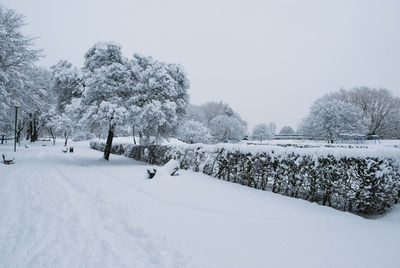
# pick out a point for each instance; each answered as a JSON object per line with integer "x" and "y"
{"x": 66, "y": 139}
{"x": 20, "y": 128}
{"x": 2, "y": 139}
{"x": 52, "y": 136}
{"x": 133, "y": 134}
{"x": 34, "y": 136}
{"x": 29, "y": 130}
{"x": 110, "y": 137}
{"x": 17, "y": 137}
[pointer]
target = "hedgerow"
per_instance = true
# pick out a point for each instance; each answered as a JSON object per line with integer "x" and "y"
{"x": 367, "y": 185}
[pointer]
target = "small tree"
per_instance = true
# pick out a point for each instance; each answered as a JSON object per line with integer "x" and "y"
{"x": 67, "y": 127}
{"x": 272, "y": 128}
{"x": 50, "y": 121}
{"x": 287, "y": 130}
{"x": 262, "y": 132}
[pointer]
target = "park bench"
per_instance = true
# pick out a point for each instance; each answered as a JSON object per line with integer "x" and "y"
{"x": 66, "y": 149}
{"x": 151, "y": 172}
{"x": 7, "y": 160}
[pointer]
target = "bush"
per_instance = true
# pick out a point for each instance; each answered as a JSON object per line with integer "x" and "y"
{"x": 361, "y": 184}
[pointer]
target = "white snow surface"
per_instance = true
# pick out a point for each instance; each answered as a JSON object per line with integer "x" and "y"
{"x": 76, "y": 210}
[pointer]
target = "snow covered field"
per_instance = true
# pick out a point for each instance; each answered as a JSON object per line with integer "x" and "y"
{"x": 76, "y": 210}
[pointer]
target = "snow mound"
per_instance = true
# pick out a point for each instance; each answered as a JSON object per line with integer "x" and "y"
{"x": 169, "y": 169}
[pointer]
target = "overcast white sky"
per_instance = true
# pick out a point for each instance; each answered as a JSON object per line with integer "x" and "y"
{"x": 268, "y": 59}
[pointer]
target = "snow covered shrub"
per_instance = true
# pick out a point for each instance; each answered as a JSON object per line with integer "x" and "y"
{"x": 358, "y": 183}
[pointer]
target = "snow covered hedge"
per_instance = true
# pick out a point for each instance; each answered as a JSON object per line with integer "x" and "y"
{"x": 344, "y": 180}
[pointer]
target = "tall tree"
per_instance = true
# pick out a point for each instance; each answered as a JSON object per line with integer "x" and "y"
{"x": 160, "y": 97}
{"x": 37, "y": 101}
{"x": 17, "y": 56}
{"x": 107, "y": 86}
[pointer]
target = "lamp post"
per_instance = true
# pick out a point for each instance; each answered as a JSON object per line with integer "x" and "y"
{"x": 15, "y": 133}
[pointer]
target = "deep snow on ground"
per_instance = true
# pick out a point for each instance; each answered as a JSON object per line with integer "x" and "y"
{"x": 76, "y": 210}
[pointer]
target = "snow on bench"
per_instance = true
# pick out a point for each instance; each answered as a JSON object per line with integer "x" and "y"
{"x": 8, "y": 159}
{"x": 171, "y": 168}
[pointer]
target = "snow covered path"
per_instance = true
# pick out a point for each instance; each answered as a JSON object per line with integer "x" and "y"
{"x": 76, "y": 210}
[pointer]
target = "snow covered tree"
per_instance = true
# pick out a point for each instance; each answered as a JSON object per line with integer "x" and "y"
{"x": 193, "y": 132}
{"x": 66, "y": 83}
{"x": 66, "y": 126}
{"x": 195, "y": 113}
{"x": 225, "y": 128}
{"x": 213, "y": 109}
{"x": 262, "y": 132}
{"x": 212, "y": 112}
{"x": 155, "y": 120}
{"x": 49, "y": 121}
{"x": 17, "y": 57}
{"x": 272, "y": 128}
{"x": 328, "y": 118}
{"x": 149, "y": 95}
{"x": 393, "y": 129}
{"x": 287, "y": 130}
{"x": 39, "y": 100}
{"x": 86, "y": 128}
{"x": 160, "y": 98}
{"x": 107, "y": 87}
{"x": 379, "y": 107}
